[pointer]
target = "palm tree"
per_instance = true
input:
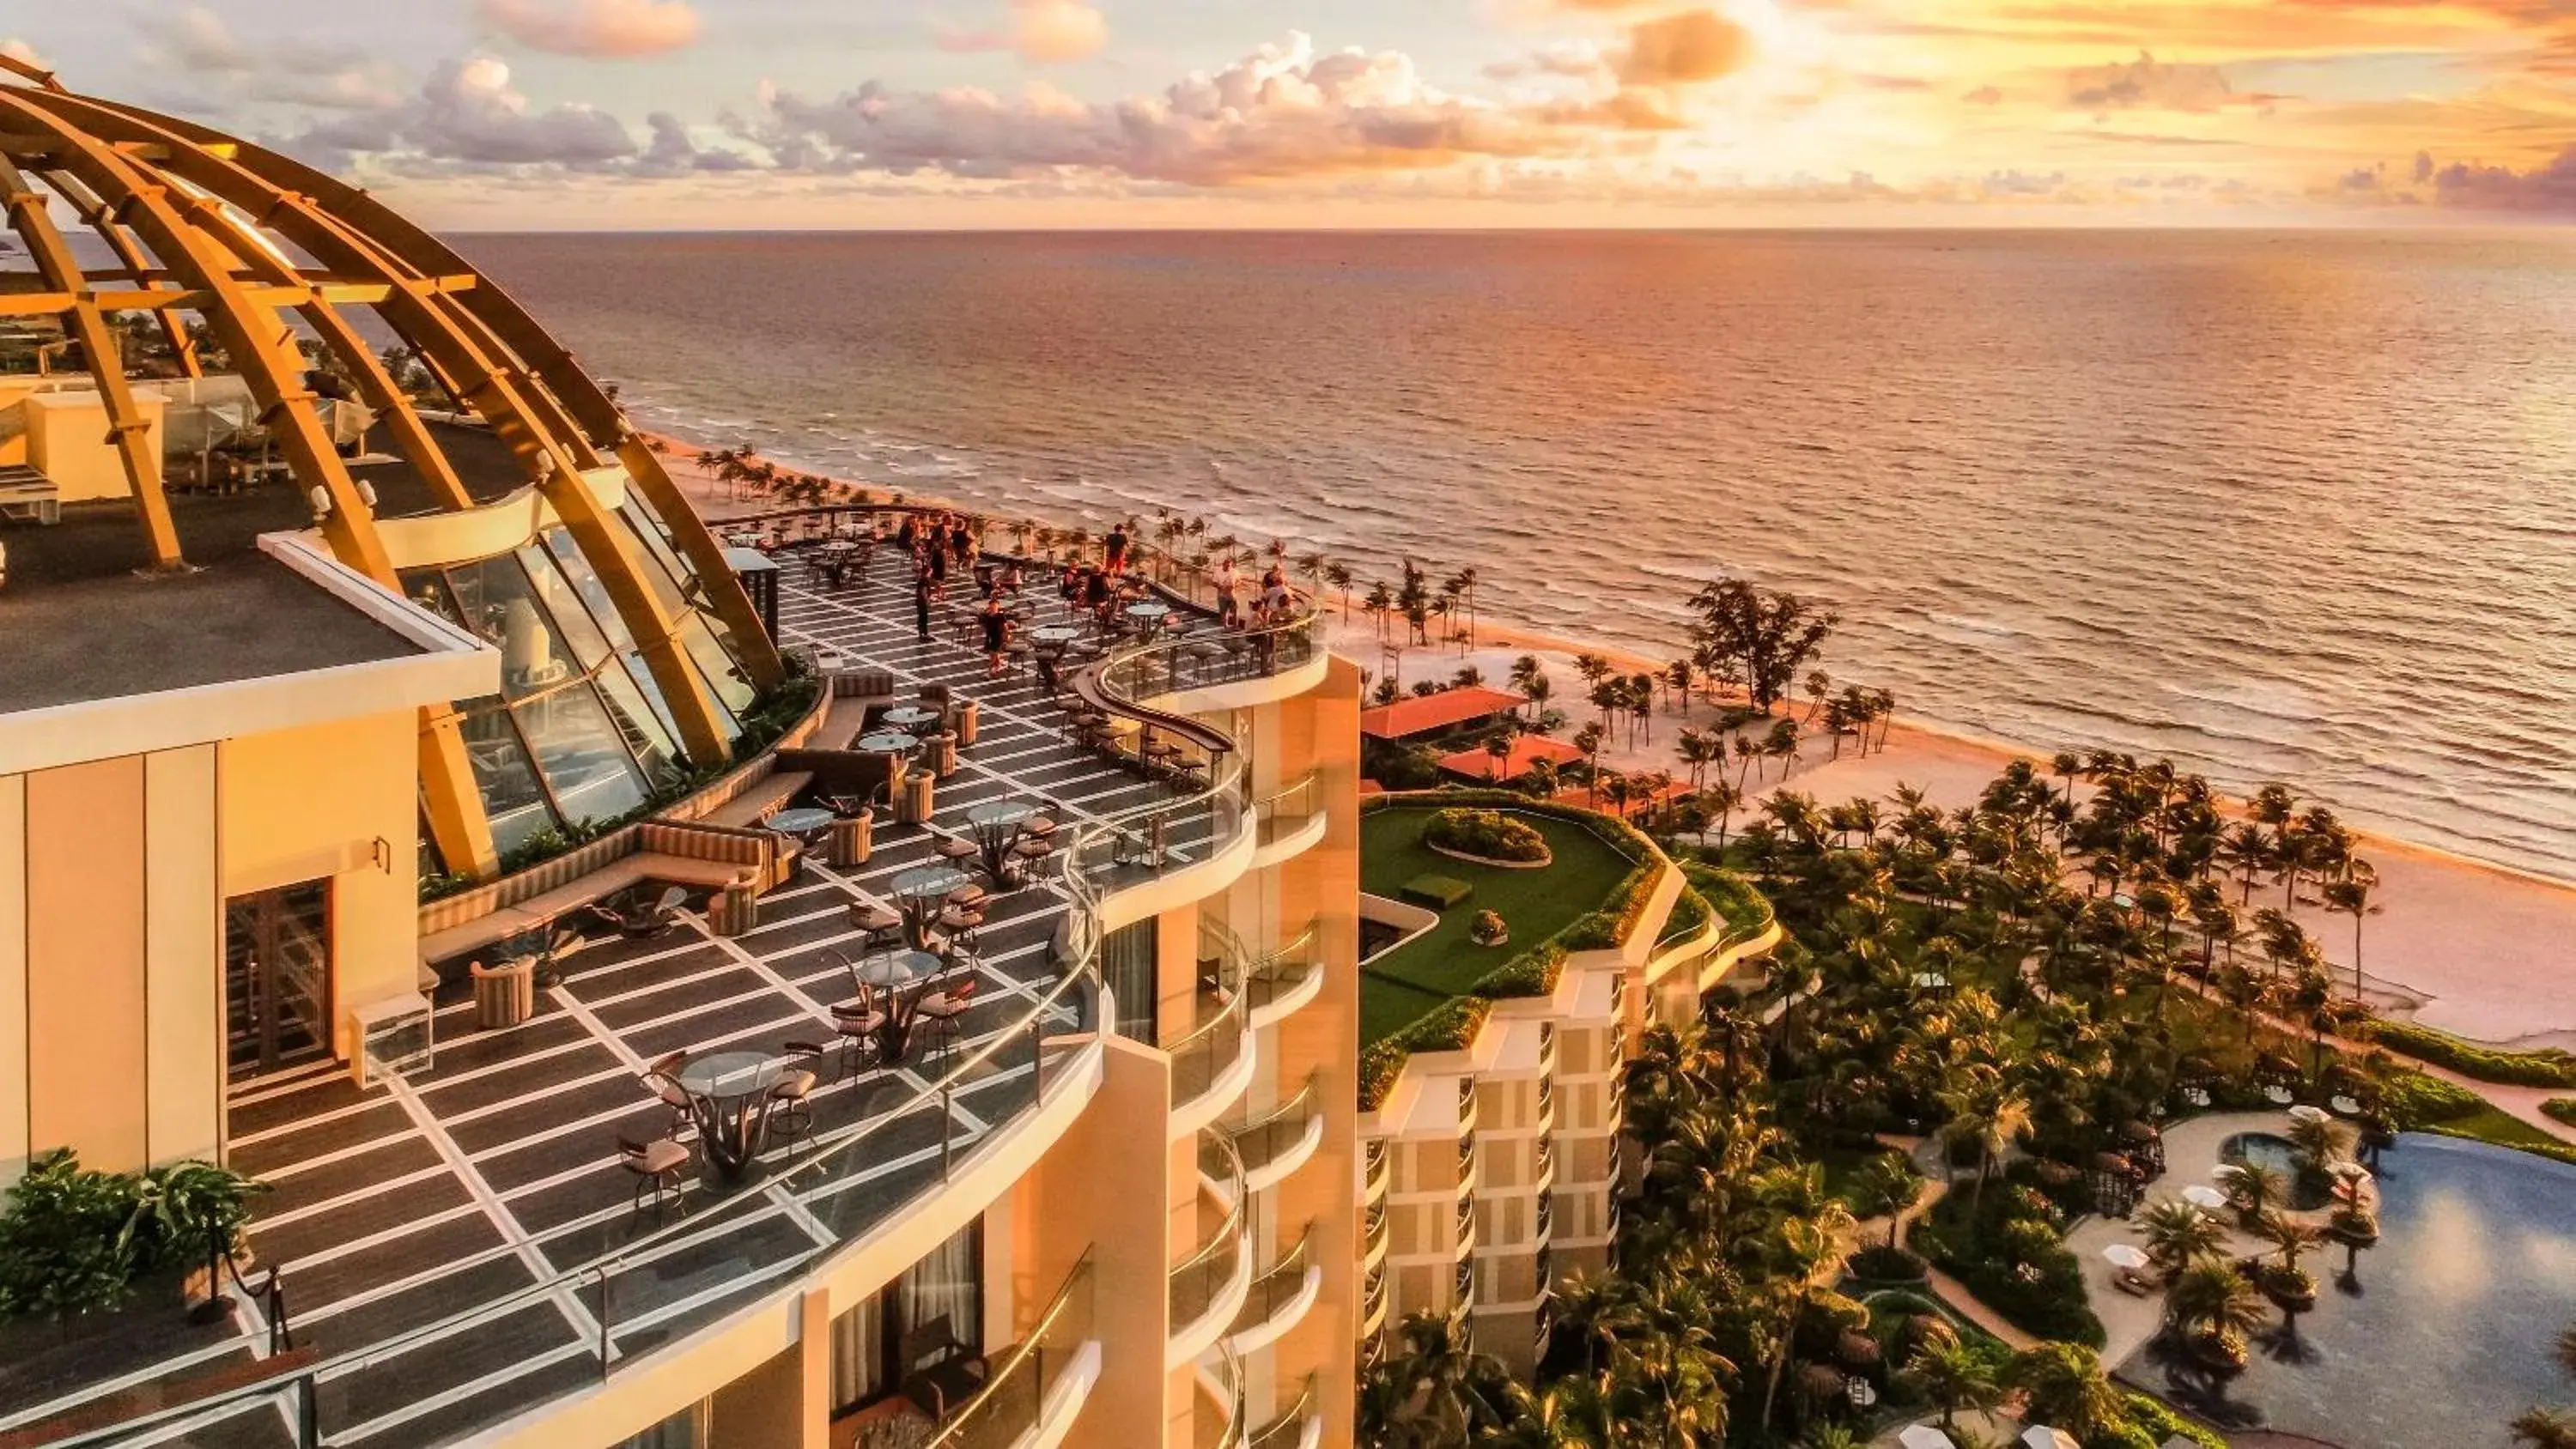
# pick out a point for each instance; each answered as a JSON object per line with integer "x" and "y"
{"x": 1819, "y": 686}
{"x": 1524, "y": 669}
{"x": 2066, "y": 765}
{"x": 1679, "y": 675}
{"x": 1589, "y": 740}
{"x": 1722, "y": 800}
{"x": 1991, "y": 1116}
{"x": 1339, "y": 575}
{"x": 1887, "y": 1186}
{"x": 1435, "y": 1387}
{"x": 2320, "y": 1143}
{"x": 2064, "y": 1387}
{"x": 2212, "y": 1306}
{"x": 2177, "y": 1233}
{"x": 2350, "y": 896}
{"x": 2254, "y": 1190}
{"x": 1953, "y": 1376}
{"x": 2290, "y": 1237}
{"x": 2545, "y": 1429}
{"x": 1379, "y": 604}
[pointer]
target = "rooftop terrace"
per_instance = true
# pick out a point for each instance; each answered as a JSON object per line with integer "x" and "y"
{"x": 469, "y": 1229}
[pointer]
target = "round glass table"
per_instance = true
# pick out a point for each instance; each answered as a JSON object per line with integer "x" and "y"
{"x": 1055, "y": 633}
{"x": 886, "y": 742}
{"x": 729, "y": 1100}
{"x": 909, "y": 717}
{"x": 921, "y": 891}
{"x": 800, "y": 823}
{"x": 997, "y": 824}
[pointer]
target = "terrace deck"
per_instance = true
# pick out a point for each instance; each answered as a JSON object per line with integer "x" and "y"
{"x": 474, "y": 1185}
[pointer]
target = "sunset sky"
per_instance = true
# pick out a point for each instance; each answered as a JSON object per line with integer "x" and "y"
{"x": 935, "y": 113}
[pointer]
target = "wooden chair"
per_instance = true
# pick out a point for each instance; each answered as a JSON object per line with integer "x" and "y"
{"x": 662, "y": 1079}
{"x": 940, "y": 1373}
{"x": 792, "y": 1111}
{"x": 943, "y": 1009}
{"x": 857, "y": 1023}
{"x": 882, "y": 924}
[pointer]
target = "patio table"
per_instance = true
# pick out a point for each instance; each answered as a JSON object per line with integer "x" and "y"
{"x": 886, "y": 742}
{"x": 729, "y": 1100}
{"x": 909, "y": 717}
{"x": 1149, "y": 615}
{"x": 897, "y": 972}
{"x": 997, "y": 824}
{"x": 920, "y": 892}
{"x": 1058, "y": 634}
{"x": 801, "y": 823}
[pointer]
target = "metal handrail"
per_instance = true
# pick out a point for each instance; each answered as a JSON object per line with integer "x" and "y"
{"x": 1229, "y": 1373}
{"x": 1300, "y": 1107}
{"x": 1283, "y": 970}
{"x": 1194, "y": 1280}
{"x": 597, "y": 1272}
{"x": 1290, "y": 1426}
{"x": 1269, "y": 810}
{"x": 1207, "y": 1050}
{"x": 976, "y": 1414}
{"x": 1275, "y": 1285}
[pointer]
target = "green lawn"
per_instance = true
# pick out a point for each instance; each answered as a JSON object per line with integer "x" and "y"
{"x": 1399, "y": 987}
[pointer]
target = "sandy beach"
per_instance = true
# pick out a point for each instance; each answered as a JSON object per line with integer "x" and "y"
{"x": 2484, "y": 952}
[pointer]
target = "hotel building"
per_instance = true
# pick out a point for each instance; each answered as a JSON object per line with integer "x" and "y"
{"x": 338, "y": 680}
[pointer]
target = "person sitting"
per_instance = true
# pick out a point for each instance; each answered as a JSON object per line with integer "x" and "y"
{"x": 1099, "y": 594}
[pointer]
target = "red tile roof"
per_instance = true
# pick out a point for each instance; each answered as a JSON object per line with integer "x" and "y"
{"x": 1415, "y": 716}
{"x": 1527, "y": 750}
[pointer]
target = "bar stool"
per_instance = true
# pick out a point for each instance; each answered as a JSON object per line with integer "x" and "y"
{"x": 957, "y": 848}
{"x": 792, "y": 1109}
{"x": 882, "y": 924}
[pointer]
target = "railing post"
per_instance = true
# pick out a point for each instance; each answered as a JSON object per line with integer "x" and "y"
{"x": 947, "y": 1125}
{"x": 605, "y": 1320}
{"x": 1037, "y": 1057}
{"x": 308, "y": 1412}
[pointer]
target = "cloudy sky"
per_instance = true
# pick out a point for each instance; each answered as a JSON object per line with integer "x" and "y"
{"x": 935, "y": 113}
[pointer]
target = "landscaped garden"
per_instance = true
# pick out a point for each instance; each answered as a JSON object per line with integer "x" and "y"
{"x": 1583, "y": 875}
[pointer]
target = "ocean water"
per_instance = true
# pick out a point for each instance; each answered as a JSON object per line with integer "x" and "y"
{"x": 2277, "y": 505}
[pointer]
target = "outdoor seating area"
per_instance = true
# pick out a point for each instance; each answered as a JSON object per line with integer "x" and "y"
{"x": 633, "y": 1075}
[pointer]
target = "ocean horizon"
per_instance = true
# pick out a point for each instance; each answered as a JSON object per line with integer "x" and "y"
{"x": 2278, "y": 505}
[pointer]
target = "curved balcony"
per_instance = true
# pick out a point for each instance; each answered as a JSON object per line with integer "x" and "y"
{"x": 1217, "y": 1417}
{"x": 1209, "y": 671}
{"x": 1288, "y": 822}
{"x": 1281, "y": 1140}
{"x": 1037, "y": 1387}
{"x": 1208, "y": 1287}
{"x": 1373, "y": 1300}
{"x": 1212, "y": 1064}
{"x": 1278, "y": 1299}
{"x": 1299, "y": 1426}
{"x": 1282, "y": 982}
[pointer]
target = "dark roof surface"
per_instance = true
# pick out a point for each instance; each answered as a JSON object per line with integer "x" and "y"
{"x": 246, "y": 617}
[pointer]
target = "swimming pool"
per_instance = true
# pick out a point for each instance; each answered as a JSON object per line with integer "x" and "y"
{"x": 2432, "y": 1338}
{"x": 2264, "y": 1150}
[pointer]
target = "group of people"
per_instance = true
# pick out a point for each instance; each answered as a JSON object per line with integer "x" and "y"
{"x": 1275, "y": 604}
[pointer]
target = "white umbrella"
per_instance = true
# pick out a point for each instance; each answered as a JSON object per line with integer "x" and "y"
{"x": 2203, "y": 1195}
{"x": 2305, "y": 1113}
{"x": 2226, "y": 1171}
{"x": 2040, "y": 1437}
{"x": 1923, "y": 1436}
{"x": 2125, "y": 1255}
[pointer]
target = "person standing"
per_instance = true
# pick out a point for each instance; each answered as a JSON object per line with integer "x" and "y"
{"x": 1116, "y": 549}
{"x": 921, "y": 589}
{"x": 1229, "y": 610}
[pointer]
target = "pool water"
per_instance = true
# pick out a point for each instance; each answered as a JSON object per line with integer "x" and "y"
{"x": 2262, "y": 1149}
{"x": 2436, "y": 1336}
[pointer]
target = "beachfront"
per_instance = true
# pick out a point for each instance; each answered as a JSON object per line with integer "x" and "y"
{"x": 2467, "y": 947}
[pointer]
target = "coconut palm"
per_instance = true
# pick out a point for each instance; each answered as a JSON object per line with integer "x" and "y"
{"x": 2320, "y": 1142}
{"x": 2064, "y": 1387}
{"x": 1953, "y": 1376}
{"x": 1721, "y": 801}
{"x": 2211, "y": 1305}
{"x": 1887, "y": 1186}
{"x": 1992, "y": 1117}
{"x": 2254, "y": 1189}
{"x": 2178, "y": 1233}
{"x": 2545, "y": 1429}
{"x": 1435, "y": 1388}
{"x": 2349, "y": 895}
{"x": 2290, "y": 1237}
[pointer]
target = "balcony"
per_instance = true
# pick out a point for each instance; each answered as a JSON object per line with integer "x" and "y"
{"x": 1039, "y": 1385}
{"x": 1212, "y": 1062}
{"x": 1299, "y": 1426}
{"x": 1289, "y": 822}
{"x": 1373, "y": 1300}
{"x": 1217, "y": 1413}
{"x": 1283, "y": 981}
{"x": 1211, "y": 669}
{"x": 1281, "y": 1140}
{"x": 1208, "y": 1287}
{"x": 1278, "y": 1299}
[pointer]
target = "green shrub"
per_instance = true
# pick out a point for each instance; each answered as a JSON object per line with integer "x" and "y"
{"x": 1689, "y": 916}
{"x": 2414, "y": 1100}
{"x": 1746, "y": 911}
{"x": 2561, "y": 1109}
{"x": 1486, "y": 834}
{"x": 1879, "y": 1263}
{"x": 2162, "y": 1423}
{"x": 1449, "y": 1027}
{"x": 2549, "y": 1068}
{"x": 1531, "y": 973}
{"x": 73, "y": 1240}
{"x": 2007, "y": 1252}
{"x": 1595, "y": 932}
{"x": 1381, "y": 1062}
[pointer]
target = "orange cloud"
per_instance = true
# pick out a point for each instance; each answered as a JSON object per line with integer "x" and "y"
{"x": 1045, "y": 31}
{"x": 599, "y": 28}
{"x": 1685, "y": 49}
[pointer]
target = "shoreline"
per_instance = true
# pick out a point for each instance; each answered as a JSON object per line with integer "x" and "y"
{"x": 2473, "y": 942}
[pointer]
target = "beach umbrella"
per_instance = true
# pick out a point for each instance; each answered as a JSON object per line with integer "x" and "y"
{"x": 2125, "y": 1255}
{"x": 1923, "y": 1436}
{"x": 2305, "y": 1113}
{"x": 2203, "y": 1195}
{"x": 2039, "y": 1437}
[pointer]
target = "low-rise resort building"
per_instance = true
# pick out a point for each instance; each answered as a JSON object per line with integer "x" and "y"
{"x": 648, "y": 1016}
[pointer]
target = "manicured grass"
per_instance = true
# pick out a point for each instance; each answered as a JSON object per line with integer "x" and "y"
{"x": 1397, "y": 988}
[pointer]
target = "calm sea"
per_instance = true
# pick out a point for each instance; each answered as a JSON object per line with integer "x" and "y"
{"x": 2294, "y": 505}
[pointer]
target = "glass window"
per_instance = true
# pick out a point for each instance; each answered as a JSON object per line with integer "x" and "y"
{"x": 498, "y": 604}
{"x": 426, "y": 588}
{"x": 1127, "y": 968}
{"x": 656, "y": 564}
{"x": 933, "y": 1312}
{"x": 585, "y": 581}
{"x": 859, "y": 1355}
{"x": 647, "y": 734}
{"x": 724, "y": 677}
{"x": 691, "y": 1428}
{"x": 583, "y": 755}
{"x": 504, "y": 775}
{"x": 570, "y": 615}
{"x": 651, "y": 688}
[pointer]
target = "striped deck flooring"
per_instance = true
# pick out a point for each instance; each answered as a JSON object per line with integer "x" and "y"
{"x": 469, "y": 1187}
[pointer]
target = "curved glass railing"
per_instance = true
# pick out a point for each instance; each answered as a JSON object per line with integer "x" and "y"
{"x": 1199, "y": 1280}
{"x": 1282, "y": 971}
{"x": 1227, "y": 1432}
{"x": 1272, "y": 1135}
{"x": 1275, "y": 1289}
{"x": 633, "y": 1297}
{"x": 1204, "y": 659}
{"x": 1211, "y": 1048}
{"x": 1013, "y": 1400}
{"x": 1289, "y": 1428}
{"x": 1284, "y": 811}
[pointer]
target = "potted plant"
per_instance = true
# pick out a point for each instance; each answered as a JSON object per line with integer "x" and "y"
{"x": 75, "y": 1241}
{"x": 1488, "y": 929}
